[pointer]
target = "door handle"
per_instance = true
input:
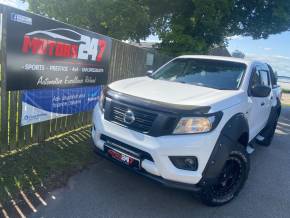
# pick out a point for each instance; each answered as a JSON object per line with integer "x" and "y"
{"x": 263, "y": 103}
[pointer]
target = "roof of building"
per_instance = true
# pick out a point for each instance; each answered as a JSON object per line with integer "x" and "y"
{"x": 146, "y": 45}
{"x": 219, "y": 51}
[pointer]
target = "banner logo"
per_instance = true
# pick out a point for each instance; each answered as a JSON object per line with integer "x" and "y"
{"x": 57, "y": 43}
{"x": 21, "y": 19}
{"x": 51, "y": 54}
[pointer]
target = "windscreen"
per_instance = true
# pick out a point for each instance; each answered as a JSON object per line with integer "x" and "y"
{"x": 224, "y": 75}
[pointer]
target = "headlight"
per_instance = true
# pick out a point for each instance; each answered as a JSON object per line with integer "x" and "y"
{"x": 102, "y": 100}
{"x": 187, "y": 125}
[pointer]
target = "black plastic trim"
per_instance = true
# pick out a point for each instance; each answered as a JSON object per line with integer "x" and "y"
{"x": 235, "y": 127}
{"x": 167, "y": 183}
{"x": 163, "y": 124}
{"x": 168, "y": 115}
{"x": 156, "y": 105}
{"x": 273, "y": 117}
{"x": 178, "y": 162}
{"x": 226, "y": 142}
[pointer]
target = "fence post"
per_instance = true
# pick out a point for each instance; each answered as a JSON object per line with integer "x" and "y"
{"x": 4, "y": 97}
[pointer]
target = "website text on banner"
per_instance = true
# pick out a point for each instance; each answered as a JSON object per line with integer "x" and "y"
{"x": 47, "y": 104}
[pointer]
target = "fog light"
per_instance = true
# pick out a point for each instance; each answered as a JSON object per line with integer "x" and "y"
{"x": 185, "y": 162}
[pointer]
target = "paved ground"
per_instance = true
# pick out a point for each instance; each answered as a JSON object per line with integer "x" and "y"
{"x": 106, "y": 190}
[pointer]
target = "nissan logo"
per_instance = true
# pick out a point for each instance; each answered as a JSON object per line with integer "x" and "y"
{"x": 129, "y": 117}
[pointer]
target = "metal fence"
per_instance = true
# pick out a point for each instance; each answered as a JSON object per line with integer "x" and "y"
{"x": 126, "y": 61}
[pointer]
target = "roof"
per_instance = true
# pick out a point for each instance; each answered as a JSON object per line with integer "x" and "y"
{"x": 221, "y": 58}
{"x": 219, "y": 51}
{"x": 145, "y": 45}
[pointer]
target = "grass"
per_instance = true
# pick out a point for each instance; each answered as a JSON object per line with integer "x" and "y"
{"x": 286, "y": 98}
{"x": 286, "y": 91}
{"x": 45, "y": 166}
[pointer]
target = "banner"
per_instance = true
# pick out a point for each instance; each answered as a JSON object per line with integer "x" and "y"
{"x": 47, "y": 104}
{"x": 44, "y": 53}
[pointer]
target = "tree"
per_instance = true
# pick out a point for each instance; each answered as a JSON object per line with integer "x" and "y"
{"x": 195, "y": 25}
{"x": 184, "y": 26}
{"x": 120, "y": 19}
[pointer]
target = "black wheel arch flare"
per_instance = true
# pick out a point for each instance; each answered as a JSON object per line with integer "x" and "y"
{"x": 227, "y": 142}
{"x": 273, "y": 117}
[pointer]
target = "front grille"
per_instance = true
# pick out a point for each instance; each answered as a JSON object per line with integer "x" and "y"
{"x": 143, "y": 119}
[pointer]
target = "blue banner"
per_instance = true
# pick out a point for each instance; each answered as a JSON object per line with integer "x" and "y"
{"x": 47, "y": 104}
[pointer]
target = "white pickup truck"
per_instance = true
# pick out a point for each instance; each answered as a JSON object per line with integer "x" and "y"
{"x": 191, "y": 124}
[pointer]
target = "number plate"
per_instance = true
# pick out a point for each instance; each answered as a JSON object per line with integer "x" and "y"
{"x": 122, "y": 157}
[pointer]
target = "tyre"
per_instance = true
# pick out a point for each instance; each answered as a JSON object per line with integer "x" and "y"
{"x": 230, "y": 180}
{"x": 269, "y": 130}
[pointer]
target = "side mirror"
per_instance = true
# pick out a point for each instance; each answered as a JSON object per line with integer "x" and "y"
{"x": 149, "y": 72}
{"x": 260, "y": 91}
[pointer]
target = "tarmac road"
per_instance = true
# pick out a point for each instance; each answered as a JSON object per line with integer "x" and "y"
{"x": 107, "y": 190}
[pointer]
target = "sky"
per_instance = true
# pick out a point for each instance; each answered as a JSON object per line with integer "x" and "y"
{"x": 15, "y": 3}
{"x": 275, "y": 50}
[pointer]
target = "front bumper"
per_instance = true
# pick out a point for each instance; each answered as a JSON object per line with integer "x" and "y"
{"x": 160, "y": 149}
{"x": 167, "y": 183}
